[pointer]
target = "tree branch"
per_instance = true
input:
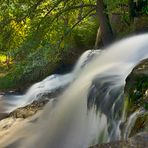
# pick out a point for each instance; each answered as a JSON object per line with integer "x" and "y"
{"x": 75, "y": 25}
{"x": 34, "y": 7}
{"x": 63, "y": 11}
{"x": 55, "y": 5}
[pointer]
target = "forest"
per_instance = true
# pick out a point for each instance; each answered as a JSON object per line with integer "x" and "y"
{"x": 41, "y": 37}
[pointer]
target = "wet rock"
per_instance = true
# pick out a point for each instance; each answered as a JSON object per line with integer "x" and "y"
{"x": 141, "y": 125}
{"x": 136, "y": 90}
{"x": 137, "y": 87}
{"x": 138, "y": 141}
{"x": 6, "y": 125}
{"x": 29, "y": 110}
{"x": 12, "y": 121}
{"x": 3, "y": 115}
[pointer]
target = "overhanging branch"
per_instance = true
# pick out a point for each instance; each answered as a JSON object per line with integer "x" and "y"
{"x": 64, "y": 10}
{"x": 75, "y": 25}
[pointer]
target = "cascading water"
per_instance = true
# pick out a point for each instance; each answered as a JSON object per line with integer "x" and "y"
{"x": 51, "y": 86}
{"x": 131, "y": 121}
{"x": 89, "y": 110}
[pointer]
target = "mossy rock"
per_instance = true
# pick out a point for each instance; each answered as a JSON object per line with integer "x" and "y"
{"x": 136, "y": 90}
{"x": 141, "y": 125}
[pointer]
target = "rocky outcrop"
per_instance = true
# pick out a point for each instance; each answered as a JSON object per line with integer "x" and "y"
{"x": 138, "y": 141}
{"x": 12, "y": 121}
{"x": 136, "y": 90}
{"x": 29, "y": 110}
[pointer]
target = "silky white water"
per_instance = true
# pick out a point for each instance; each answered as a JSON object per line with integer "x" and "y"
{"x": 50, "y": 86}
{"x": 89, "y": 109}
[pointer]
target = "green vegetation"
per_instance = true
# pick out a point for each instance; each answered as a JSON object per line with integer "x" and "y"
{"x": 37, "y": 35}
{"x": 136, "y": 91}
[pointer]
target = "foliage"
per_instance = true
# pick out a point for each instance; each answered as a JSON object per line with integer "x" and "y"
{"x": 38, "y": 33}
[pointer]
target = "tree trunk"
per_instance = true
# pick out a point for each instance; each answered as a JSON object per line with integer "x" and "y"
{"x": 98, "y": 38}
{"x": 131, "y": 10}
{"x": 105, "y": 26}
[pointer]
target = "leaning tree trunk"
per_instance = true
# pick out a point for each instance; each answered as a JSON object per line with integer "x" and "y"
{"x": 98, "y": 39}
{"x": 105, "y": 26}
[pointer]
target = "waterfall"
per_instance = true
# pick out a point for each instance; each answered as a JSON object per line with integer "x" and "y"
{"x": 89, "y": 109}
{"x": 50, "y": 87}
{"x": 131, "y": 121}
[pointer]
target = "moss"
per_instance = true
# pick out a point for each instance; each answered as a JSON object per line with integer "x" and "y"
{"x": 135, "y": 89}
{"x": 140, "y": 124}
{"x": 136, "y": 92}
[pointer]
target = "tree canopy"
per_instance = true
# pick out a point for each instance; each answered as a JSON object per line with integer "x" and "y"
{"x": 36, "y": 35}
